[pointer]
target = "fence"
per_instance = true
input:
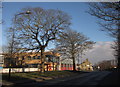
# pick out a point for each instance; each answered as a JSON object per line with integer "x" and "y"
{"x": 6, "y": 70}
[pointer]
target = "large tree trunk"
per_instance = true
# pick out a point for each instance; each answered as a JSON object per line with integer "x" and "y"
{"x": 74, "y": 66}
{"x": 42, "y": 59}
{"x": 53, "y": 66}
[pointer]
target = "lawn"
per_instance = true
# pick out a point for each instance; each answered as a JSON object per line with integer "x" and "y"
{"x": 36, "y": 76}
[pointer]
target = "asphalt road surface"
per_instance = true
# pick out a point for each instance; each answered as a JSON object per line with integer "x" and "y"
{"x": 92, "y": 78}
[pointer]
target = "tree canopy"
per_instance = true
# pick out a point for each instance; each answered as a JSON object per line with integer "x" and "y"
{"x": 109, "y": 15}
{"x": 36, "y": 27}
{"x": 73, "y": 43}
{"x": 35, "y": 30}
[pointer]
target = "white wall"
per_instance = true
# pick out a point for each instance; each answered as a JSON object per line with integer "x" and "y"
{"x": 6, "y": 70}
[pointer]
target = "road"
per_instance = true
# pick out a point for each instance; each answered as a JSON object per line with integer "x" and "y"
{"x": 92, "y": 78}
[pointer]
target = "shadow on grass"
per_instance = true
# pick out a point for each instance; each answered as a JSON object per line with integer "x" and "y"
{"x": 14, "y": 80}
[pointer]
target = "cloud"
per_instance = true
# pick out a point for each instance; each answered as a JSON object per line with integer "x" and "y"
{"x": 101, "y": 51}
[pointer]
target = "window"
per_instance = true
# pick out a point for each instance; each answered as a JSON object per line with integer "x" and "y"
{"x": 49, "y": 60}
{"x": 29, "y": 57}
{"x": 61, "y": 65}
{"x": 46, "y": 59}
{"x": 38, "y": 57}
{"x": 17, "y": 57}
{"x": 33, "y": 57}
{"x": 71, "y": 65}
{"x": 47, "y": 55}
{"x": 57, "y": 60}
{"x": 23, "y": 58}
{"x": 53, "y": 59}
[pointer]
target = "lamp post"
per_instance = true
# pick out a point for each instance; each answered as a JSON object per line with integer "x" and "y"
{"x": 22, "y": 13}
{"x": 27, "y": 12}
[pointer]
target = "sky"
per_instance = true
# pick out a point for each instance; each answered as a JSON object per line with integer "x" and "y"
{"x": 81, "y": 22}
{"x": 101, "y": 51}
{"x": 60, "y": 0}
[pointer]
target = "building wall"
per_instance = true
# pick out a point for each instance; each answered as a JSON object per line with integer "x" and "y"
{"x": 66, "y": 64}
{"x": 33, "y": 60}
{"x": 1, "y": 60}
{"x": 13, "y": 70}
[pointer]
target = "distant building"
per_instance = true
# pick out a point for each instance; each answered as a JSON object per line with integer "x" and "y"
{"x": 1, "y": 60}
{"x": 85, "y": 66}
{"x": 106, "y": 64}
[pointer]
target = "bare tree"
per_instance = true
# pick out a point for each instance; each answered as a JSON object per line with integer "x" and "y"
{"x": 84, "y": 48}
{"x": 10, "y": 50}
{"x": 70, "y": 43}
{"x": 37, "y": 29}
{"x": 109, "y": 15}
{"x": 106, "y": 64}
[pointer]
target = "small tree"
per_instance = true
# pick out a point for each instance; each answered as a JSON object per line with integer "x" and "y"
{"x": 37, "y": 29}
{"x": 70, "y": 43}
{"x": 10, "y": 49}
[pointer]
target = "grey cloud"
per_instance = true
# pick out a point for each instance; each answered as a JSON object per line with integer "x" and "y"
{"x": 101, "y": 51}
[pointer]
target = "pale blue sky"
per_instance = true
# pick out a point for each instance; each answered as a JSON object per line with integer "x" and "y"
{"x": 59, "y": 0}
{"x": 81, "y": 21}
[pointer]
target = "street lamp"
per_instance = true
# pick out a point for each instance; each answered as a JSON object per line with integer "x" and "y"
{"x": 98, "y": 67}
{"x": 27, "y": 12}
